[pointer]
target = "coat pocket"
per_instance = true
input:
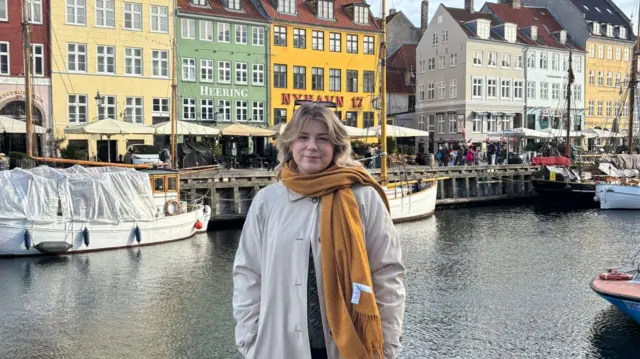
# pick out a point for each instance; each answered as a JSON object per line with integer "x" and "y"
{"x": 245, "y": 345}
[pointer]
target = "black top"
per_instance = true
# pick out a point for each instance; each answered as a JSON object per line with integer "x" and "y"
{"x": 314, "y": 317}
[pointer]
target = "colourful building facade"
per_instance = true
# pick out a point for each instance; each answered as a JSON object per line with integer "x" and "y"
{"x": 324, "y": 51}
{"x": 123, "y": 50}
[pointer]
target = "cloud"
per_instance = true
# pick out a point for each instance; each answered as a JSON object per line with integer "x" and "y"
{"x": 411, "y": 8}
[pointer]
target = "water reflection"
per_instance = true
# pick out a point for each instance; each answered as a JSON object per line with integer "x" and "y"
{"x": 614, "y": 336}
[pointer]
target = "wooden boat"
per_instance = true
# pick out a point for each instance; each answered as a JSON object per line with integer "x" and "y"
{"x": 620, "y": 287}
{"x": 558, "y": 184}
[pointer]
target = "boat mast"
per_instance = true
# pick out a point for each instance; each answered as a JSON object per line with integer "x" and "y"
{"x": 567, "y": 145}
{"x": 383, "y": 97}
{"x": 174, "y": 107}
{"x": 632, "y": 86}
{"x": 26, "y": 41}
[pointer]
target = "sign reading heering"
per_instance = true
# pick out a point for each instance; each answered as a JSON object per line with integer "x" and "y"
{"x": 222, "y": 92}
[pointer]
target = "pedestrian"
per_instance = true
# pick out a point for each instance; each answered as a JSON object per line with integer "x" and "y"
{"x": 272, "y": 156}
{"x": 318, "y": 270}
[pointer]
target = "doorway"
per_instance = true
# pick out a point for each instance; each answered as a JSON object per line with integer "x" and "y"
{"x": 103, "y": 150}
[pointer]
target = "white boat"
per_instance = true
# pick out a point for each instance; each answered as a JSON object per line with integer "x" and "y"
{"x": 407, "y": 206}
{"x": 51, "y": 211}
{"x": 618, "y": 196}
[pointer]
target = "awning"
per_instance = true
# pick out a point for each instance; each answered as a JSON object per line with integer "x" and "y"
{"x": 110, "y": 127}
{"x": 10, "y": 125}
{"x": 185, "y": 128}
{"x": 238, "y": 129}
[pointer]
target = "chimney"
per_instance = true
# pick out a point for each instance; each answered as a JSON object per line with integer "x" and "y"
{"x": 516, "y": 4}
{"x": 468, "y": 5}
{"x": 424, "y": 16}
{"x": 392, "y": 11}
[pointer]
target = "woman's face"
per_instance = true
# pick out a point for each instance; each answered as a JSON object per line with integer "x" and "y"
{"x": 312, "y": 150}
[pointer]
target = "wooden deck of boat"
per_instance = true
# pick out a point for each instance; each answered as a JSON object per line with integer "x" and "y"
{"x": 621, "y": 289}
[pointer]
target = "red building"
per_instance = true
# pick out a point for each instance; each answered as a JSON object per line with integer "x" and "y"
{"x": 12, "y": 89}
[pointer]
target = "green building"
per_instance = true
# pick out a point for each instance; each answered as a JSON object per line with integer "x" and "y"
{"x": 222, "y": 61}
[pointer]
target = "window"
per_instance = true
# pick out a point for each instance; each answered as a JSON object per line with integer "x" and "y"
{"x": 609, "y": 79}
{"x": 352, "y": 44}
{"x": 453, "y": 59}
{"x": 325, "y": 9}
{"x": 241, "y": 34}
{"x": 4, "y": 58}
{"x": 492, "y": 124}
{"x": 435, "y": 38}
{"x": 453, "y": 123}
{"x": 352, "y": 81}
{"x": 242, "y": 72}
{"x": 287, "y": 6}
{"x": 431, "y": 92}
{"x": 555, "y": 91}
{"x": 241, "y": 110}
{"x": 106, "y": 59}
{"x": 257, "y": 74}
{"x": 300, "y": 38}
{"x": 206, "y": 30}
{"x": 609, "y": 30}
{"x": 555, "y": 62}
{"x": 133, "y": 111}
{"x": 367, "y": 119}
{"x": 360, "y": 15}
{"x": 453, "y": 88}
{"x": 77, "y": 57}
{"x": 368, "y": 82}
{"x": 578, "y": 64}
{"x": 299, "y": 77}
{"x": 483, "y": 30}
{"x": 335, "y": 80}
{"x": 159, "y": 18}
{"x": 531, "y": 61}
{"x": 133, "y": 61}
{"x": 280, "y": 76}
{"x": 518, "y": 88}
{"x": 108, "y": 108}
{"x": 627, "y": 54}
{"x": 544, "y": 61}
{"x": 257, "y": 38}
{"x": 369, "y": 47}
{"x": 334, "y": 42}
{"x": 601, "y": 51}
{"x": 445, "y": 36}
{"x": 544, "y": 90}
{"x": 618, "y": 53}
{"x": 317, "y": 40}
{"x": 432, "y": 64}
{"x": 206, "y": 70}
{"x": 506, "y": 60}
{"x": 441, "y": 62}
{"x": 189, "y": 109}
{"x": 609, "y": 52}
{"x": 492, "y": 59}
{"x": 352, "y": 119}
{"x": 477, "y": 87}
{"x": 317, "y": 79}
{"x": 77, "y": 108}
{"x": 188, "y": 27}
{"x": 477, "y": 58}
{"x": 440, "y": 122}
{"x": 617, "y": 83}
{"x": 531, "y": 89}
{"x": 518, "y": 65}
{"x": 132, "y": 16}
{"x": 592, "y": 50}
{"x": 160, "y": 63}
{"x": 199, "y": 2}
{"x": 105, "y": 13}
{"x": 258, "y": 111}
{"x": 4, "y": 10}
{"x": 76, "y": 12}
{"x": 207, "y": 110}
{"x": 591, "y": 105}
{"x": 279, "y": 115}
{"x": 442, "y": 89}
{"x": 600, "y": 78}
{"x": 280, "y": 36}
{"x": 234, "y": 4}
{"x": 188, "y": 69}
{"x": 596, "y": 28}
{"x": 608, "y": 109}
{"x": 37, "y": 60}
{"x": 492, "y": 88}
{"x": 411, "y": 103}
{"x": 421, "y": 92}
{"x": 577, "y": 92}
{"x": 224, "y": 32}
{"x": 224, "y": 72}
{"x": 224, "y": 107}
{"x": 160, "y": 107}
{"x": 505, "y": 89}
{"x": 592, "y": 78}
{"x": 477, "y": 124}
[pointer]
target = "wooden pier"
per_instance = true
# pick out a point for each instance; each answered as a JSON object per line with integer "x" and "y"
{"x": 230, "y": 192}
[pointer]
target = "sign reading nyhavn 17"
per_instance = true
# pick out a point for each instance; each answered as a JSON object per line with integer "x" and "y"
{"x": 222, "y": 92}
{"x": 356, "y": 102}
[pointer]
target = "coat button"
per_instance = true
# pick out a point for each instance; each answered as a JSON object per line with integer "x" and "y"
{"x": 314, "y": 200}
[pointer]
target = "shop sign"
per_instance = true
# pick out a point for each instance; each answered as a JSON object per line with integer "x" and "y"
{"x": 223, "y": 92}
{"x": 286, "y": 98}
{"x": 17, "y": 93}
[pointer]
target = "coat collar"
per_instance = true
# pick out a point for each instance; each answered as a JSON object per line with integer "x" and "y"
{"x": 294, "y": 196}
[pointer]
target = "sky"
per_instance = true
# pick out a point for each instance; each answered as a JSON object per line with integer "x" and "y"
{"x": 411, "y": 8}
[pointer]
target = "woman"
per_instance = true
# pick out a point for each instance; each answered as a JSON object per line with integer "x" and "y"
{"x": 318, "y": 271}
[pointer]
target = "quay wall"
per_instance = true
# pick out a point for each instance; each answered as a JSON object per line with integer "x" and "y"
{"x": 230, "y": 192}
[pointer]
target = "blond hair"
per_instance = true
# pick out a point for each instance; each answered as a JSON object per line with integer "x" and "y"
{"x": 336, "y": 132}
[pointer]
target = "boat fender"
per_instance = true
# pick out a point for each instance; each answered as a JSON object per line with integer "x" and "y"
{"x": 53, "y": 247}
{"x": 171, "y": 207}
{"x": 596, "y": 198}
{"x": 198, "y": 225}
{"x": 616, "y": 275}
{"x": 138, "y": 235}
{"x": 27, "y": 239}
{"x": 85, "y": 236}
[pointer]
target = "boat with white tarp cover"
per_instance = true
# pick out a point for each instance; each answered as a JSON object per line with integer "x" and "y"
{"x": 47, "y": 210}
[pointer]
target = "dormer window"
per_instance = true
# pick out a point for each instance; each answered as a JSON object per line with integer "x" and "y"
{"x": 483, "y": 29}
{"x": 622, "y": 33}
{"x": 325, "y": 9}
{"x": 596, "y": 28}
{"x": 534, "y": 33}
{"x": 199, "y": 2}
{"x": 510, "y": 32}
{"x": 609, "y": 30}
{"x": 563, "y": 37}
{"x": 233, "y": 4}
{"x": 287, "y": 6}
{"x": 360, "y": 14}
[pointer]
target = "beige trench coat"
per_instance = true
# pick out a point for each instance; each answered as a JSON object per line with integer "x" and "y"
{"x": 271, "y": 268}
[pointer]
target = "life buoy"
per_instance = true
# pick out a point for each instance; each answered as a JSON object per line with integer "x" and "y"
{"x": 616, "y": 275}
{"x": 172, "y": 207}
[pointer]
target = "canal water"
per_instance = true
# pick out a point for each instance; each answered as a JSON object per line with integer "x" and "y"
{"x": 492, "y": 282}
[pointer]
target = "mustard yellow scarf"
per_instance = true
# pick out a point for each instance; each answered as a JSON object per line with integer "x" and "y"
{"x": 356, "y": 328}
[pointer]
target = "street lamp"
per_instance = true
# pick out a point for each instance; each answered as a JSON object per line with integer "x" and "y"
{"x": 99, "y": 101}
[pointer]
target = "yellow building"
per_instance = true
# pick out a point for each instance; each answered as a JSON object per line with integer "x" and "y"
{"x": 322, "y": 50}
{"x": 608, "y": 66}
{"x": 121, "y": 50}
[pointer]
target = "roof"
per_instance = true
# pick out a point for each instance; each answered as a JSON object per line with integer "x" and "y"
{"x": 604, "y": 12}
{"x": 391, "y": 16}
{"x": 306, "y": 16}
{"x": 401, "y": 61}
{"x": 462, "y": 16}
{"x": 526, "y": 17}
{"x": 216, "y": 8}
